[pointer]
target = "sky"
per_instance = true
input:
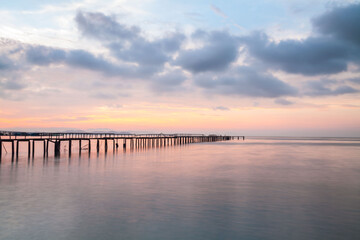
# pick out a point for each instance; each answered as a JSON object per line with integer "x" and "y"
{"x": 254, "y": 68}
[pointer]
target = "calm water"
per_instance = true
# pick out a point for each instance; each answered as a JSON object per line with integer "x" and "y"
{"x": 267, "y": 188}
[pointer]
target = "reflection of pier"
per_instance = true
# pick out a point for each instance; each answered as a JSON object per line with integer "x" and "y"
{"x": 131, "y": 141}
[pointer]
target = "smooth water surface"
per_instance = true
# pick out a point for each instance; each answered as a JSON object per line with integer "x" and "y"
{"x": 260, "y": 188}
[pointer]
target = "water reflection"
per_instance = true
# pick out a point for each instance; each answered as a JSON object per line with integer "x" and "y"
{"x": 257, "y": 189}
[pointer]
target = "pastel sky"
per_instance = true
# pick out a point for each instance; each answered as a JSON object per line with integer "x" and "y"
{"x": 260, "y": 67}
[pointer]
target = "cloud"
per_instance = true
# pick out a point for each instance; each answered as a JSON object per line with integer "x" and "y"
{"x": 86, "y": 60}
{"x": 319, "y": 88}
{"x": 333, "y": 46}
{"x": 355, "y": 80}
{"x": 341, "y": 23}
{"x": 127, "y": 43}
{"x": 68, "y": 119}
{"x": 9, "y": 50}
{"x": 5, "y": 63}
{"x": 11, "y": 84}
{"x": 99, "y": 26}
{"x": 40, "y": 55}
{"x": 11, "y": 68}
{"x": 171, "y": 81}
{"x": 10, "y": 89}
{"x": 103, "y": 95}
{"x": 146, "y": 52}
{"x": 245, "y": 81}
{"x": 282, "y": 101}
{"x": 312, "y": 56}
{"x": 211, "y": 64}
{"x": 219, "y": 51}
{"x": 43, "y": 56}
{"x": 221, "y": 108}
{"x": 115, "y": 106}
{"x": 218, "y": 11}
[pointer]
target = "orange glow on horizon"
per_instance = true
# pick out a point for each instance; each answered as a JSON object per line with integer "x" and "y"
{"x": 170, "y": 118}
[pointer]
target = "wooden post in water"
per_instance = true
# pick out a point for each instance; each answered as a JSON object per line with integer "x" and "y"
{"x": 33, "y": 148}
{"x": 17, "y": 148}
{"x": 47, "y": 147}
{"x": 29, "y": 147}
{"x": 12, "y": 150}
{"x": 44, "y": 145}
{"x": 69, "y": 147}
{"x": 57, "y": 148}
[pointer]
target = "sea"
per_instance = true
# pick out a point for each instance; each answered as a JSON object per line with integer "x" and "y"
{"x": 259, "y": 188}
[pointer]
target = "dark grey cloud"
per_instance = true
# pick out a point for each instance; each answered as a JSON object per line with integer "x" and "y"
{"x": 245, "y": 81}
{"x": 282, "y": 101}
{"x": 341, "y": 22}
{"x": 84, "y": 59}
{"x": 311, "y": 56}
{"x": 146, "y": 52}
{"x": 41, "y": 55}
{"x": 5, "y": 63}
{"x": 318, "y": 88}
{"x": 354, "y": 80}
{"x": 44, "y": 56}
{"x": 9, "y": 50}
{"x": 219, "y": 51}
{"x": 10, "y": 84}
{"x": 100, "y": 26}
{"x": 127, "y": 43}
{"x": 334, "y": 45}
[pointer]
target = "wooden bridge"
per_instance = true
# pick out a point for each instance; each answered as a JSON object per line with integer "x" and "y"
{"x": 114, "y": 140}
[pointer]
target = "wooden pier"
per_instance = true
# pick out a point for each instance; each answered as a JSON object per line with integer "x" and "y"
{"x": 128, "y": 141}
